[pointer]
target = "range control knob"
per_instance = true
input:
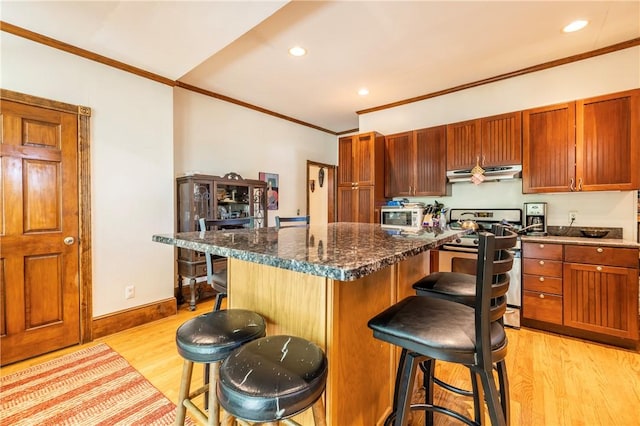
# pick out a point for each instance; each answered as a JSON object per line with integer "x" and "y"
{"x": 476, "y": 241}
{"x": 458, "y": 241}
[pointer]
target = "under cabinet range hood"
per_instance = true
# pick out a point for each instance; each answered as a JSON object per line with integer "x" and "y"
{"x": 490, "y": 174}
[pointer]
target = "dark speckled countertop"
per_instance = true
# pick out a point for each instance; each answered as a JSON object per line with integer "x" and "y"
{"x": 340, "y": 251}
{"x": 583, "y": 241}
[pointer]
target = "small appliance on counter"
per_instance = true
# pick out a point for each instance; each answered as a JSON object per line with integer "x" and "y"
{"x": 535, "y": 218}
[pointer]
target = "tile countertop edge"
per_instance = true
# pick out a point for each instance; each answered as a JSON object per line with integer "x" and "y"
{"x": 309, "y": 267}
{"x": 603, "y": 242}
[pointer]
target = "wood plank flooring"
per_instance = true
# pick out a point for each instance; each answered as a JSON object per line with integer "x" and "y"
{"x": 554, "y": 380}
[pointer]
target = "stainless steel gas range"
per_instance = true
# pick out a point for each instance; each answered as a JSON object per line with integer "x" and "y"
{"x": 452, "y": 256}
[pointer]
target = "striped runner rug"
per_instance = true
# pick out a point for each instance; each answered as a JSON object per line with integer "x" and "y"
{"x": 93, "y": 386}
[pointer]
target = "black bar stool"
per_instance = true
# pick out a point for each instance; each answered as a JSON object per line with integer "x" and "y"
{"x": 209, "y": 339}
{"x": 461, "y": 287}
{"x": 428, "y": 328}
{"x": 273, "y": 379}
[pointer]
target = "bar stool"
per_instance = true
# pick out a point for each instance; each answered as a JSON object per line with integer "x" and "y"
{"x": 273, "y": 379}
{"x": 428, "y": 328}
{"x": 209, "y": 339}
{"x": 460, "y": 286}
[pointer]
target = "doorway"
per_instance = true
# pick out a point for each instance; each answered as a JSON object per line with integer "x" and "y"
{"x": 321, "y": 192}
{"x": 45, "y": 274}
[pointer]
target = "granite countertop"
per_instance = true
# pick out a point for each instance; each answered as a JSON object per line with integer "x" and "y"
{"x": 340, "y": 251}
{"x": 602, "y": 242}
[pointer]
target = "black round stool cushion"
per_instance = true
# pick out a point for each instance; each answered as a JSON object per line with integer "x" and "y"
{"x": 448, "y": 285}
{"x": 272, "y": 378}
{"x": 213, "y": 336}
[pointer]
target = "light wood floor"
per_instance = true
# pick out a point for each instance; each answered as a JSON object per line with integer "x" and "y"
{"x": 554, "y": 380}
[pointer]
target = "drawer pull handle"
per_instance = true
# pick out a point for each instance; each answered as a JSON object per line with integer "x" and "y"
{"x": 541, "y": 263}
{"x": 541, "y": 279}
{"x": 598, "y": 268}
{"x": 599, "y": 249}
{"x": 541, "y": 296}
{"x": 541, "y": 246}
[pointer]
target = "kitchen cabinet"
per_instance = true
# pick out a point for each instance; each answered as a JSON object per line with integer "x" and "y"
{"x": 542, "y": 282}
{"x": 589, "y": 291}
{"x": 415, "y": 163}
{"x": 587, "y": 145}
{"x": 601, "y": 290}
{"x": 213, "y": 197}
{"x": 360, "y": 177}
{"x": 488, "y": 142}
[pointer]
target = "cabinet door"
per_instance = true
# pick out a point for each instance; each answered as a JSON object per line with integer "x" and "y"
{"x": 607, "y": 142}
{"x": 346, "y": 204}
{"x": 399, "y": 165}
{"x": 430, "y": 161}
{"x": 365, "y": 159}
{"x": 602, "y": 299}
{"x": 548, "y": 139}
{"x": 346, "y": 163}
{"x": 463, "y": 145}
{"x": 366, "y": 212}
{"x": 502, "y": 139}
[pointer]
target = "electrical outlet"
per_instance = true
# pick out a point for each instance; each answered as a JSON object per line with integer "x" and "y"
{"x": 573, "y": 216}
{"x": 129, "y": 292}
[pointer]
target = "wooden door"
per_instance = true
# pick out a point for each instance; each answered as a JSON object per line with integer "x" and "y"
{"x": 430, "y": 161}
{"x": 608, "y": 142}
{"x": 39, "y": 265}
{"x": 399, "y": 165}
{"x": 548, "y": 146}
{"x": 463, "y": 145}
{"x": 501, "y": 139}
{"x": 365, "y": 205}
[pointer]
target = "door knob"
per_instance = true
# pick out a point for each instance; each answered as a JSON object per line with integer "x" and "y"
{"x": 69, "y": 240}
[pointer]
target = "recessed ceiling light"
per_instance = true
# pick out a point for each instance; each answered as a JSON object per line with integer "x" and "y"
{"x": 298, "y": 51}
{"x": 363, "y": 92}
{"x": 575, "y": 26}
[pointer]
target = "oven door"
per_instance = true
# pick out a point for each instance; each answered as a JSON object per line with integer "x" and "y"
{"x": 460, "y": 259}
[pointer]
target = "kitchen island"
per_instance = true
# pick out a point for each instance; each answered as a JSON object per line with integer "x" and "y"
{"x": 324, "y": 283}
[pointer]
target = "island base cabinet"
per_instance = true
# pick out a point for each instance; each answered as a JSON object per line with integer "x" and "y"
{"x": 601, "y": 299}
{"x": 334, "y": 315}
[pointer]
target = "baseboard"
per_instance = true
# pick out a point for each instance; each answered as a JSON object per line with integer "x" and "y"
{"x": 123, "y": 320}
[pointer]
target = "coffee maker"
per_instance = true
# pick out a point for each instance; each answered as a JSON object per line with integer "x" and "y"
{"x": 535, "y": 218}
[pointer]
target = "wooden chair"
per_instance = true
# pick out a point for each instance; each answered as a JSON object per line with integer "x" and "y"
{"x": 294, "y": 221}
{"x": 218, "y": 280}
{"x": 431, "y": 328}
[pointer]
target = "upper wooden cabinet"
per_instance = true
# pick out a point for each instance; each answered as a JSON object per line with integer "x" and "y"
{"x": 608, "y": 142}
{"x": 489, "y": 141}
{"x": 415, "y": 163}
{"x": 361, "y": 159}
{"x": 588, "y": 145}
{"x": 360, "y": 177}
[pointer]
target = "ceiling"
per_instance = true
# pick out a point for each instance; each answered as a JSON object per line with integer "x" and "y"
{"x": 398, "y": 50}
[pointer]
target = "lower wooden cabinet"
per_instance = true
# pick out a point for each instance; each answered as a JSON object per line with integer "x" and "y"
{"x": 588, "y": 291}
{"x": 542, "y": 282}
{"x": 601, "y": 290}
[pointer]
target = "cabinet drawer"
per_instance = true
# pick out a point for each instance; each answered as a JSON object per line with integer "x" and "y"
{"x": 542, "y": 251}
{"x": 542, "y": 284}
{"x": 548, "y": 268}
{"x": 542, "y": 307}
{"x": 613, "y": 256}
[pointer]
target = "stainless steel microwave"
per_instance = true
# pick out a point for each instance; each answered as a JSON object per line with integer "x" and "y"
{"x": 401, "y": 217}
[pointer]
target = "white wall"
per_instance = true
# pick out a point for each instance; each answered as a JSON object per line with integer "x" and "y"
{"x": 610, "y": 73}
{"x": 131, "y": 165}
{"x": 217, "y": 137}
